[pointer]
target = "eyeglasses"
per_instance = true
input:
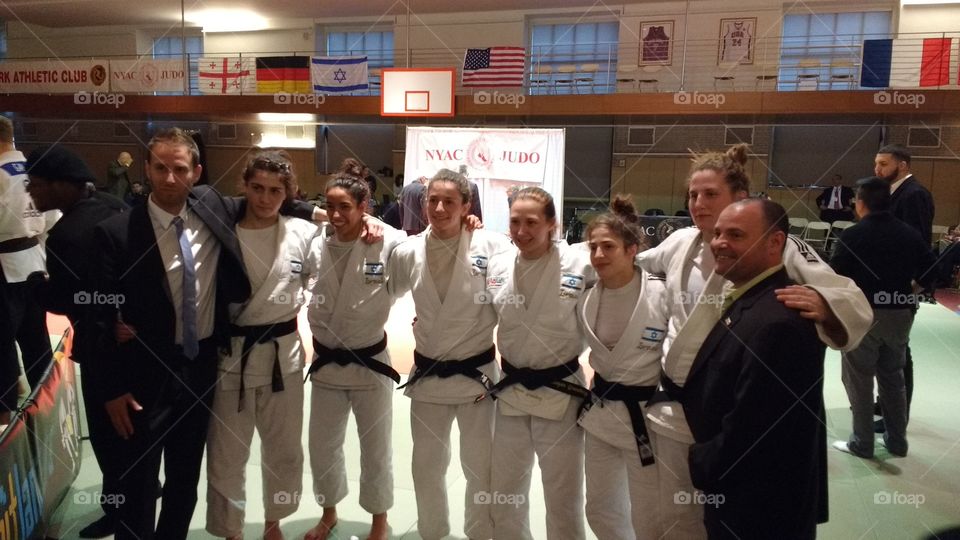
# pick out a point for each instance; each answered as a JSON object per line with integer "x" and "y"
{"x": 270, "y": 165}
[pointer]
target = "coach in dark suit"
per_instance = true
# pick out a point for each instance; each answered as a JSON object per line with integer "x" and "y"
{"x": 172, "y": 266}
{"x": 836, "y": 202}
{"x": 60, "y": 180}
{"x": 754, "y": 397}
{"x": 911, "y": 203}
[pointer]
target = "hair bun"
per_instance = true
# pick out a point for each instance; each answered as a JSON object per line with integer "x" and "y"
{"x": 739, "y": 153}
{"x": 622, "y": 205}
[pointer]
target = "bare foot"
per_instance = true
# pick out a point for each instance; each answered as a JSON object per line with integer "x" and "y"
{"x": 327, "y": 522}
{"x": 271, "y": 531}
{"x": 379, "y": 529}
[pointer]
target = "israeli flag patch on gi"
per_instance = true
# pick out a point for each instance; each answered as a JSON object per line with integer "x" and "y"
{"x": 570, "y": 285}
{"x": 373, "y": 272}
{"x": 296, "y": 266}
{"x": 653, "y": 334}
{"x": 480, "y": 262}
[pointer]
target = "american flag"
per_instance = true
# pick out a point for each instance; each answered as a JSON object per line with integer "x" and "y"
{"x": 495, "y": 66}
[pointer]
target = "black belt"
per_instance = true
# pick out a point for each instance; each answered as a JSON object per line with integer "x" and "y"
{"x": 343, "y": 357}
{"x": 428, "y": 367}
{"x": 631, "y": 396}
{"x": 538, "y": 378}
{"x": 667, "y": 391}
{"x": 257, "y": 335}
{"x": 18, "y": 244}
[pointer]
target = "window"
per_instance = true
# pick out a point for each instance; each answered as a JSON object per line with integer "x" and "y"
{"x": 558, "y": 48}
{"x": 170, "y": 48}
{"x": 376, "y": 45}
{"x": 828, "y": 44}
{"x": 3, "y": 40}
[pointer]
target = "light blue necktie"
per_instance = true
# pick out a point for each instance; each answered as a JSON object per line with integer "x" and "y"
{"x": 188, "y": 306}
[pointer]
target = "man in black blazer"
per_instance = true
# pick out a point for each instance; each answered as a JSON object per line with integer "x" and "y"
{"x": 754, "y": 396}
{"x": 911, "y": 203}
{"x": 60, "y": 180}
{"x": 836, "y": 201}
{"x": 172, "y": 266}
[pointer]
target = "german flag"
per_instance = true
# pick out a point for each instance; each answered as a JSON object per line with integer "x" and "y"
{"x": 283, "y": 74}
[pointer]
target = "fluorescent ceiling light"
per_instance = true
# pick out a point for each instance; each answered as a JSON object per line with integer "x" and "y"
{"x": 928, "y": 2}
{"x": 285, "y": 118}
{"x": 228, "y": 20}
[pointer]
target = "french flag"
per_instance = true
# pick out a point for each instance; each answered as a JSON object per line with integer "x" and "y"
{"x": 905, "y": 63}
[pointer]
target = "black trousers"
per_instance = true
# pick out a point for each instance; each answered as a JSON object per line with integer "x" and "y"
{"x": 23, "y": 322}
{"x": 172, "y": 426}
{"x": 104, "y": 440}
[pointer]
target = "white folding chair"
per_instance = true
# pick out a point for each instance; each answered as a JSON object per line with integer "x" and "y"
{"x": 627, "y": 75}
{"x": 586, "y": 76}
{"x": 816, "y": 235}
{"x": 798, "y": 225}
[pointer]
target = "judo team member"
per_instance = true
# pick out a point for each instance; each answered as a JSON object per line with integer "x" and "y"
{"x": 624, "y": 319}
{"x": 59, "y": 180}
{"x": 535, "y": 288}
{"x": 258, "y": 385}
{"x": 695, "y": 292}
{"x": 351, "y": 370}
{"x": 24, "y": 322}
{"x": 445, "y": 268}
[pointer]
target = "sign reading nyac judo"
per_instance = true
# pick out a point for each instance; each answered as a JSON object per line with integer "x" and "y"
{"x": 499, "y": 161}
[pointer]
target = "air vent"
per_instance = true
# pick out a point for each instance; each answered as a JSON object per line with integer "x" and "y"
{"x": 641, "y": 136}
{"x": 226, "y": 131}
{"x": 924, "y": 137}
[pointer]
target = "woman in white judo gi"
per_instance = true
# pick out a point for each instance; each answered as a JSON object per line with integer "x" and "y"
{"x": 624, "y": 319}
{"x": 351, "y": 369}
{"x": 696, "y": 293}
{"x": 445, "y": 268}
{"x": 260, "y": 386}
{"x": 535, "y": 287}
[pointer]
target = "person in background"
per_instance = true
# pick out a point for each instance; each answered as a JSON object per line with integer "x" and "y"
{"x": 118, "y": 178}
{"x": 137, "y": 194}
{"x": 836, "y": 201}
{"x": 475, "y": 207}
{"x": 412, "y": 218}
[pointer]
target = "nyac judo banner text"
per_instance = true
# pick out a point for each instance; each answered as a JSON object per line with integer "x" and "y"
{"x": 40, "y": 454}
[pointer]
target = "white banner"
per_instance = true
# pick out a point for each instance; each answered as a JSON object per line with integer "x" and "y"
{"x": 146, "y": 75}
{"x": 498, "y": 160}
{"x": 53, "y": 76}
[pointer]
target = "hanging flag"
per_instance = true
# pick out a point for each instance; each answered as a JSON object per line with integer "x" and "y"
{"x": 230, "y": 75}
{"x": 338, "y": 73}
{"x": 495, "y": 66}
{"x": 289, "y": 74}
{"x": 905, "y": 63}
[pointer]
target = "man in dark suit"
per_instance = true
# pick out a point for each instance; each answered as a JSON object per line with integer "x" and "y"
{"x": 118, "y": 178}
{"x": 911, "y": 203}
{"x": 754, "y": 396}
{"x": 60, "y": 180}
{"x": 172, "y": 266}
{"x": 836, "y": 201}
{"x": 883, "y": 255}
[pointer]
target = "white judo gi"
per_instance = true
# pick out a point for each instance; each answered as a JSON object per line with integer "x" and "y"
{"x": 539, "y": 332}
{"x": 276, "y": 415}
{"x": 350, "y": 314}
{"x": 458, "y": 328}
{"x": 681, "y": 516}
{"x": 623, "y": 495}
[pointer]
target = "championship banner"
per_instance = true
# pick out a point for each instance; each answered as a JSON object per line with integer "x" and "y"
{"x": 53, "y": 76}
{"x": 147, "y": 75}
{"x": 497, "y": 160}
{"x": 40, "y": 453}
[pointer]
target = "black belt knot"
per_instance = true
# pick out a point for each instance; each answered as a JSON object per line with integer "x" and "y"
{"x": 258, "y": 335}
{"x": 429, "y": 367}
{"x": 631, "y": 396}
{"x": 363, "y": 357}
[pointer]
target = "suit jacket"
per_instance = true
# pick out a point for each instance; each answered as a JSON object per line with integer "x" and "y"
{"x": 130, "y": 264}
{"x": 913, "y": 204}
{"x": 754, "y": 402}
{"x": 118, "y": 179}
{"x": 846, "y": 197}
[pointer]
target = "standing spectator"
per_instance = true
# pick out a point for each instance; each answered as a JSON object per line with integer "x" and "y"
{"x": 23, "y": 320}
{"x": 60, "y": 180}
{"x": 118, "y": 177}
{"x": 836, "y": 201}
{"x": 475, "y": 209}
{"x": 911, "y": 203}
{"x": 883, "y": 256}
{"x": 137, "y": 195}
{"x": 411, "y": 206}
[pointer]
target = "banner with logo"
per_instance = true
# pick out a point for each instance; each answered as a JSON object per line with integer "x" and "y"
{"x": 53, "y": 76}
{"x": 147, "y": 75}
{"x": 40, "y": 453}
{"x": 497, "y": 160}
